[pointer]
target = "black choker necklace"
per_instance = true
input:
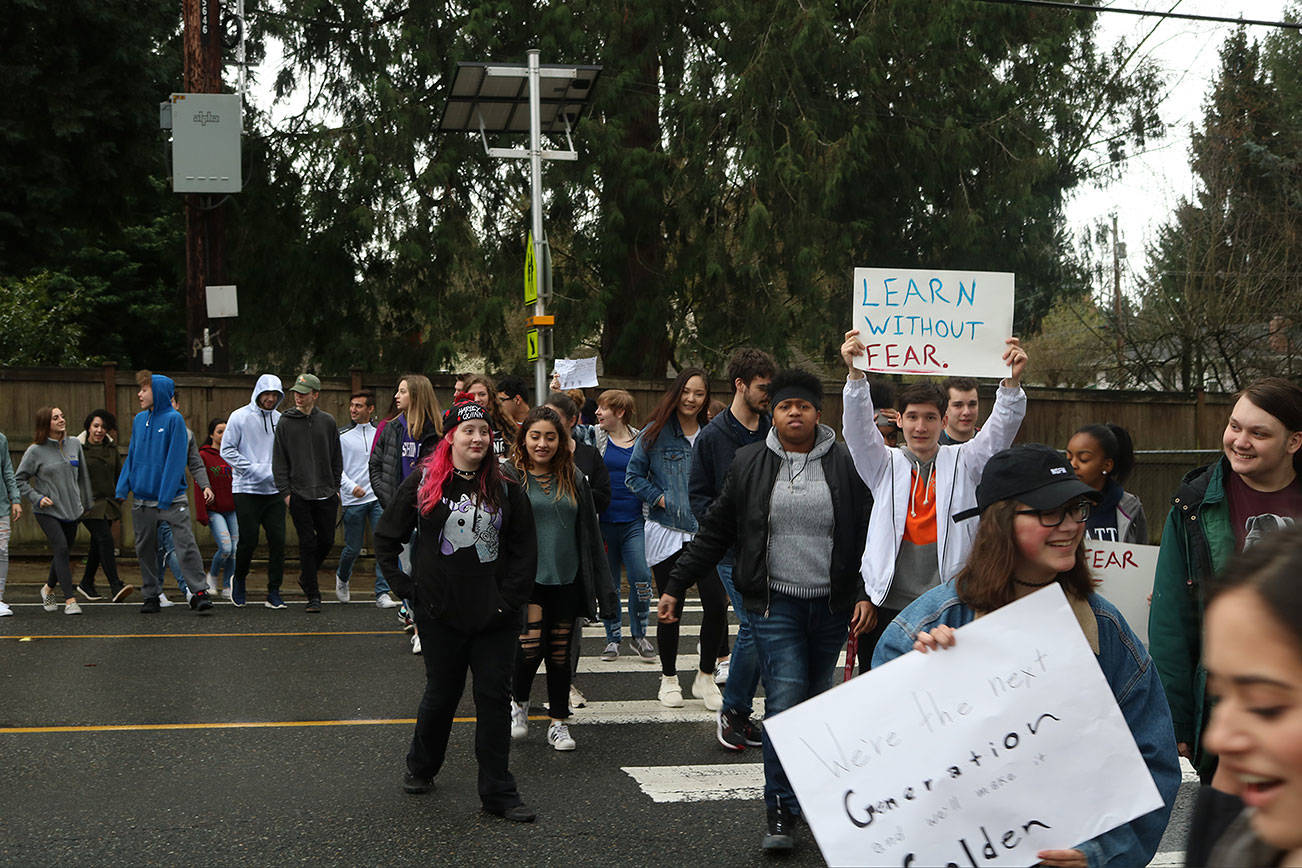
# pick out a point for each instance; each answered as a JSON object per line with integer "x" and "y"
{"x": 464, "y": 474}
{"x": 1036, "y": 584}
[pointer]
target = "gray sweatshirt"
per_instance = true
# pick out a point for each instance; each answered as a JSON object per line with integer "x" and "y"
{"x": 56, "y": 469}
{"x": 9, "y": 493}
{"x": 801, "y": 521}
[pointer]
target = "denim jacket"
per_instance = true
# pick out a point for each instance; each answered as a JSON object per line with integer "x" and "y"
{"x": 664, "y": 469}
{"x": 1133, "y": 678}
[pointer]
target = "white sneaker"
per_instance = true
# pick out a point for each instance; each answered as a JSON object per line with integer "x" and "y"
{"x": 415, "y": 643}
{"x": 48, "y": 601}
{"x": 577, "y": 699}
{"x": 671, "y": 692}
{"x": 721, "y": 672}
{"x": 71, "y": 608}
{"x": 558, "y": 736}
{"x": 384, "y": 601}
{"x": 227, "y": 593}
{"x": 342, "y": 594}
{"x": 163, "y": 602}
{"x": 189, "y": 595}
{"x": 519, "y": 720}
{"x": 213, "y": 587}
{"x": 704, "y": 688}
{"x": 5, "y": 610}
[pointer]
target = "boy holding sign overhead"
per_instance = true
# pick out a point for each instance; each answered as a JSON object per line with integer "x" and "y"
{"x": 913, "y": 543}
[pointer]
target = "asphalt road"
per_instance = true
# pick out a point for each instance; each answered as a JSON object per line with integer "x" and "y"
{"x": 278, "y": 737}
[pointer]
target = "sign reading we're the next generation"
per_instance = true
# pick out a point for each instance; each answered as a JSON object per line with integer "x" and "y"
{"x": 942, "y": 323}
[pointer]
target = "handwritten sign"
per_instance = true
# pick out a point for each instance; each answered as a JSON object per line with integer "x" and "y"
{"x": 1125, "y": 574}
{"x": 946, "y": 323}
{"x": 576, "y": 373}
{"x": 984, "y": 754}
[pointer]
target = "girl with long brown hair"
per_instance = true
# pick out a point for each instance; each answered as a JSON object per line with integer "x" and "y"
{"x": 573, "y": 577}
{"x": 1033, "y": 514}
{"x": 398, "y": 447}
{"x": 482, "y": 388}
{"x": 658, "y": 472}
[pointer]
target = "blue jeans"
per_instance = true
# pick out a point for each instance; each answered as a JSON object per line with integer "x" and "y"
{"x": 744, "y": 665}
{"x": 226, "y": 533}
{"x": 355, "y": 518}
{"x": 167, "y": 557}
{"x": 625, "y": 544}
{"x": 798, "y": 643}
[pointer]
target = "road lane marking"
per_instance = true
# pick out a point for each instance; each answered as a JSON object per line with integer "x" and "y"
{"x": 703, "y": 783}
{"x": 31, "y": 636}
{"x": 592, "y": 664}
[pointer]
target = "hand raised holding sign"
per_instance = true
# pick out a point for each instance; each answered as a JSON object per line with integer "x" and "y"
{"x": 1014, "y": 356}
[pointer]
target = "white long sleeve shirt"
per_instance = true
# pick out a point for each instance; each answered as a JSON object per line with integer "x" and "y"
{"x": 886, "y": 471}
{"x": 356, "y": 444}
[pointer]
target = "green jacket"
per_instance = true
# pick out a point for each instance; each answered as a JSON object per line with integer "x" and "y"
{"x": 1197, "y": 542}
{"x": 9, "y": 493}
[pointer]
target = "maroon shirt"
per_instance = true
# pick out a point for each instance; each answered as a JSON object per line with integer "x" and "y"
{"x": 1254, "y": 514}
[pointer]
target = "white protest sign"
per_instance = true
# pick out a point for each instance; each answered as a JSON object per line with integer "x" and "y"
{"x": 576, "y": 373}
{"x": 919, "y": 321}
{"x": 1125, "y": 574}
{"x": 983, "y": 754}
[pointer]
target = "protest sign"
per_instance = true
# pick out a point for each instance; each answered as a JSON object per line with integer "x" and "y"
{"x": 982, "y": 754}
{"x": 1125, "y": 573}
{"x": 920, "y": 321}
{"x": 576, "y": 373}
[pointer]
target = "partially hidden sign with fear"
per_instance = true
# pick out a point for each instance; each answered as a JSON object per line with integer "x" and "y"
{"x": 979, "y": 755}
{"x": 945, "y": 323}
{"x": 1124, "y": 573}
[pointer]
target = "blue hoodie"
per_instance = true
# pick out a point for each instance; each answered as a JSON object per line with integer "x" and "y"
{"x": 157, "y": 451}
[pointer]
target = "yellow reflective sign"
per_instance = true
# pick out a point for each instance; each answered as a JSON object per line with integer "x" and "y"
{"x": 531, "y": 344}
{"x": 530, "y": 280}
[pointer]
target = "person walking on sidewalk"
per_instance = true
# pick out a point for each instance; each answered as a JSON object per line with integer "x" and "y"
{"x": 573, "y": 576}
{"x": 797, "y": 513}
{"x": 220, "y": 516}
{"x": 744, "y": 422}
{"x": 104, "y": 463}
{"x": 154, "y": 473}
{"x": 307, "y": 464}
{"x": 361, "y": 506}
{"x": 11, "y": 509}
{"x": 54, "y": 477}
{"x": 477, "y": 555}
{"x": 247, "y": 446}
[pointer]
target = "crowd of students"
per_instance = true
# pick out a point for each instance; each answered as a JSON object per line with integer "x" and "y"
{"x": 500, "y": 529}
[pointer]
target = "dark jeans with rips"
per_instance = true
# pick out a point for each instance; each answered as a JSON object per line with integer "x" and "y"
{"x": 266, "y": 511}
{"x": 489, "y": 655}
{"x": 315, "y": 522}
{"x": 548, "y": 632}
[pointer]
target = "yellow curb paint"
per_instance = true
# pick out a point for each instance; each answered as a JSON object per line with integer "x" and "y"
{"x": 267, "y": 724}
{"x": 201, "y": 635}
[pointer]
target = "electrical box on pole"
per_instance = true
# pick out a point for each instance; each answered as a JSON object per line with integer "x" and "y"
{"x": 205, "y": 142}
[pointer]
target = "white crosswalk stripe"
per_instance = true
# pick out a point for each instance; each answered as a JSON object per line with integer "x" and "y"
{"x": 648, "y": 711}
{"x": 700, "y": 783}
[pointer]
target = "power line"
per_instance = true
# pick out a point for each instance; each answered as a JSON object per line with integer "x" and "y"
{"x": 1187, "y": 16}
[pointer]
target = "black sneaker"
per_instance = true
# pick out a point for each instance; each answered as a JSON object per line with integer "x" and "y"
{"x": 91, "y": 594}
{"x": 417, "y": 786}
{"x": 736, "y": 732}
{"x": 520, "y": 813}
{"x": 150, "y": 606}
{"x": 781, "y": 834}
{"x": 313, "y": 605}
{"x": 201, "y": 603}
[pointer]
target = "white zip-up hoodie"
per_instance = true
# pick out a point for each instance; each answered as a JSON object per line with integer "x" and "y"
{"x": 886, "y": 471}
{"x": 249, "y": 440}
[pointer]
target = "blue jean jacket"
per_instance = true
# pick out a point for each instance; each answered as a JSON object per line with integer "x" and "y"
{"x": 664, "y": 469}
{"x": 1133, "y": 678}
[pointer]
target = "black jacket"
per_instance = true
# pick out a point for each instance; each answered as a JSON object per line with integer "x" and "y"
{"x": 739, "y": 517}
{"x": 589, "y": 460}
{"x": 467, "y": 602}
{"x": 599, "y": 594}
{"x": 306, "y": 459}
{"x": 713, "y": 453}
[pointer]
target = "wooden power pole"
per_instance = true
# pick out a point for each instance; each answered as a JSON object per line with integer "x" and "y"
{"x": 205, "y": 230}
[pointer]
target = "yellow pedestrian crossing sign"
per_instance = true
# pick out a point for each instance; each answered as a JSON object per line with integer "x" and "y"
{"x": 531, "y": 344}
{"x": 531, "y": 281}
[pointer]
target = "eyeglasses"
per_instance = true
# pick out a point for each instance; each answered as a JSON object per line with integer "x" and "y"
{"x": 1078, "y": 511}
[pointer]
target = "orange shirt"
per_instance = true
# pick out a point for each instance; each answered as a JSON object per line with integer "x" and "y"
{"x": 920, "y": 517}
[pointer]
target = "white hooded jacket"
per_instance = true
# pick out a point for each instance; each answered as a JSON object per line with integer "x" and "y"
{"x": 887, "y": 471}
{"x": 249, "y": 439}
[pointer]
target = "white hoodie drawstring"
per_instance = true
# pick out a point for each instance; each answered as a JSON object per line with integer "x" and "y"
{"x": 926, "y": 489}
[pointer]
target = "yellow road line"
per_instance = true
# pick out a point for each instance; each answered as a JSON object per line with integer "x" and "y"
{"x": 200, "y": 635}
{"x": 253, "y": 724}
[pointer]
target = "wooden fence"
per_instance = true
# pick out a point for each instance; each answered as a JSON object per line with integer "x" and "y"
{"x": 1174, "y": 432}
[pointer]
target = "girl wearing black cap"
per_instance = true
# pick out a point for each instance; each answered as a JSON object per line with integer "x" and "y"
{"x": 1103, "y": 456}
{"x": 472, "y": 573}
{"x": 1033, "y": 512}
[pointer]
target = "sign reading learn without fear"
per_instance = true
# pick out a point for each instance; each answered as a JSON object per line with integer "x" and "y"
{"x": 945, "y": 323}
{"x": 980, "y": 755}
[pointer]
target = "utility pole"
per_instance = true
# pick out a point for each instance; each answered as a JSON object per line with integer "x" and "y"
{"x": 205, "y": 227}
{"x": 1116, "y": 301}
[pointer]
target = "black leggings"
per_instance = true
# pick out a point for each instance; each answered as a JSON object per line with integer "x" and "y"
{"x": 714, "y": 623}
{"x": 61, "y": 535}
{"x": 100, "y": 554}
{"x": 550, "y": 623}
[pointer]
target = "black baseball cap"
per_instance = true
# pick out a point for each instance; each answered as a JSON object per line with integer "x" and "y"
{"x": 1035, "y": 474}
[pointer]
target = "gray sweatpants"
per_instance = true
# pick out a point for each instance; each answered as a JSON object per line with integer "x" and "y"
{"x": 145, "y": 520}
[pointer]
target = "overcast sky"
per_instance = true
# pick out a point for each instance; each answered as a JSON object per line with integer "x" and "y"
{"x": 1187, "y": 52}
